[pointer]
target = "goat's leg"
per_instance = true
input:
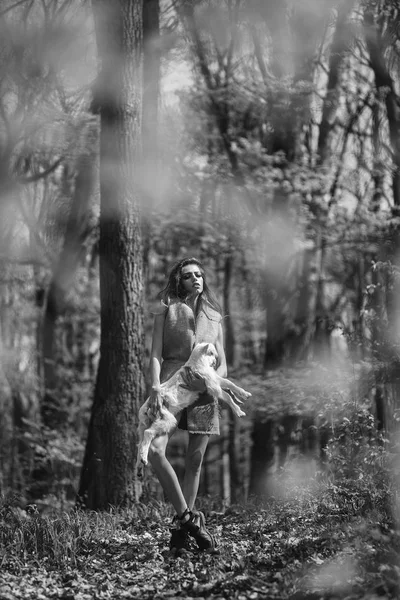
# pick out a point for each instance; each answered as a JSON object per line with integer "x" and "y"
{"x": 225, "y": 397}
{"x": 148, "y": 436}
{"x": 140, "y": 433}
{"x": 238, "y": 391}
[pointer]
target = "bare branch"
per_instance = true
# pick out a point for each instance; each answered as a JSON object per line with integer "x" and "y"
{"x": 41, "y": 175}
{"x": 354, "y": 118}
{"x": 22, "y": 261}
{"x": 10, "y": 8}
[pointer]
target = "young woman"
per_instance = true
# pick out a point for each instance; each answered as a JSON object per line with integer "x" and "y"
{"x": 191, "y": 315}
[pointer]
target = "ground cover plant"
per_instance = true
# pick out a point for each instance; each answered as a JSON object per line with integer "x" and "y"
{"x": 319, "y": 541}
{"x": 325, "y": 530}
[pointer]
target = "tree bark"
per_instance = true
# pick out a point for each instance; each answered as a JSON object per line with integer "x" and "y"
{"x": 304, "y": 317}
{"x": 151, "y": 95}
{"x": 236, "y": 480}
{"x": 225, "y": 469}
{"x": 108, "y": 475}
{"x": 276, "y": 334}
{"x": 262, "y": 455}
{"x": 229, "y": 332}
{"x": 337, "y": 52}
{"x": 376, "y": 22}
{"x": 151, "y": 79}
{"x": 385, "y": 87}
{"x": 321, "y": 349}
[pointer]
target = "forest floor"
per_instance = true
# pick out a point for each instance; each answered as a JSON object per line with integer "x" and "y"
{"x": 324, "y": 538}
{"x": 328, "y": 543}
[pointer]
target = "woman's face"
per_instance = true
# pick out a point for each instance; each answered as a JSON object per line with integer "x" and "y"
{"x": 192, "y": 279}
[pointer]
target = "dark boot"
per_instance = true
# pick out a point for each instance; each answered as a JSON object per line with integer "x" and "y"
{"x": 195, "y": 526}
{"x": 179, "y": 540}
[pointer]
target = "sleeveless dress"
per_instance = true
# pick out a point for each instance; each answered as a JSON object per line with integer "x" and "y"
{"x": 182, "y": 330}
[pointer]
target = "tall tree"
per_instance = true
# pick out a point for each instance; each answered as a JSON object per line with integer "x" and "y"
{"x": 151, "y": 78}
{"x": 151, "y": 96}
{"x": 108, "y": 476}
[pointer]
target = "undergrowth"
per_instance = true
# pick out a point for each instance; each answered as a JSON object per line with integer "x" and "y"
{"x": 319, "y": 541}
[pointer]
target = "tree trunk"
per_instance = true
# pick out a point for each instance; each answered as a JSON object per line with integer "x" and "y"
{"x": 338, "y": 50}
{"x": 275, "y": 14}
{"x": 262, "y": 455}
{"x": 225, "y": 458}
{"x": 151, "y": 94}
{"x": 108, "y": 474}
{"x": 229, "y": 333}
{"x": 319, "y": 341}
{"x": 234, "y": 459}
{"x": 375, "y": 25}
{"x": 386, "y": 88}
{"x": 250, "y": 345}
{"x": 276, "y": 335}
{"x": 151, "y": 80}
{"x": 303, "y": 319}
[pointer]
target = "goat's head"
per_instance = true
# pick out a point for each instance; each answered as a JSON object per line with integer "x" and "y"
{"x": 205, "y": 351}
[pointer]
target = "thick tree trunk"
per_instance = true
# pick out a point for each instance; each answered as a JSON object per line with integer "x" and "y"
{"x": 151, "y": 94}
{"x": 151, "y": 79}
{"x": 108, "y": 475}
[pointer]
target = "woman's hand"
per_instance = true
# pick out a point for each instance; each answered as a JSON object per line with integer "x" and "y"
{"x": 193, "y": 381}
{"x": 155, "y": 402}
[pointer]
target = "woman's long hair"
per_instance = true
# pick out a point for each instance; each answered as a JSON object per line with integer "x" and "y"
{"x": 174, "y": 289}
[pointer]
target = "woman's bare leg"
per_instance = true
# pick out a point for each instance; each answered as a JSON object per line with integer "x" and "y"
{"x": 194, "y": 459}
{"x": 166, "y": 474}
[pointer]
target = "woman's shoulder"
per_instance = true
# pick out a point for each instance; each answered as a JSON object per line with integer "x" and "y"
{"x": 160, "y": 310}
{"x": 173, "y": 307}
{"x": 211, "y": 313}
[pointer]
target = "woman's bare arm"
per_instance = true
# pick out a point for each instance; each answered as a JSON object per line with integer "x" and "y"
{"x": 155, "y": 364}
{"x": 219, "y": 346}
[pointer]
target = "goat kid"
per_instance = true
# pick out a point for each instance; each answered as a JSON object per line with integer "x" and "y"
{"x": 175, "y": 398}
